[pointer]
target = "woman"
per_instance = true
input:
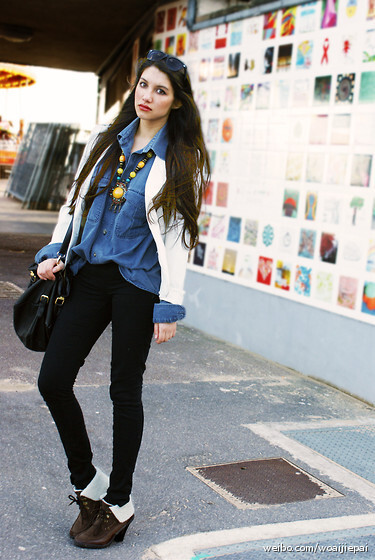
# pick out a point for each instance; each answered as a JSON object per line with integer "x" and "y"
{"x": 135, "y": 205}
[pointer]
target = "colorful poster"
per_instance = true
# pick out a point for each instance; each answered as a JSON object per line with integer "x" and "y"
{"x": 347, "y": 294}
{"x": 246, "y": 96}
{"x": 311, "y": 205}
{"x": 269, "y": 25}
{"x": 218, "y": 226}
{"x": 302, "y": 285}
{"x": 307, "y": 240}
{"x": 169, "y": 44}
{"x": 264, "y": 274}
{"x": 290, "y": 203}
{"x": 322, "y": 90}
{"x": 282, "y": 275}
{"x": 171, "y": 19}
{"x": 234, "y": 60}
{"x": 199, "y": 253}
{"x": 251, "y": 232}
{"x": 234, "y": 229}
{"x": 284, "y": 57}
{"x": 304, "y": 55}
{"x": 229, "y": 261}
{"x": 308, "y": 17}
{"x": 324, "y": 286}
{"x": 368, "y": 298}
{"x": 345, "y": 88}
{"x": 268, "y": 60}
{"x": 204, "y": 223}
{"x": 160, "y": 21}
{"x": 222, "y": 194}
{"x": 181, "y": 44}
{"x": 328, "y": 248}
{"x": 288, "y": 21}
{"x": 367, "y": 88}
{"x": 368, "y": 54}
{"x": 329, "y": 13}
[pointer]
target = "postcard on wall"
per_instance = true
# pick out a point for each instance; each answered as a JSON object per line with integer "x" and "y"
{"x": 221, "y": 35}
{"x": 229, "y": 261}
{"x": 263, "y": 96}
{"x": 328, "y": 247}
{"x": 160, "y": 21}
{"x": 307, "y": 20}
{"x": 290, "y": 203}
{"x": 368, "y": 298}
{"x": 234, "y": 229}
{"x": 181, "y": 44}
{"x": 246, "y": 266}
{"x": 370, "y": 264}
{"x": 282, "y": 275}
{"x": 330, "y": 209}
{"x": 230, "y": 98}
{"x": 370, "y": 9}
{"x": 268, "y": 60}
{"x": 282, "y": 93}
{"x": 356, "y": 212}
{"x": 214, "y": 258}
{"x": 361, "y": 170}
{"x": 302, "y": 283}
{"x": 269, "y": 25}
{"x": 352, "y": 251}
{"x": 294, "y": 166}
{"x": 170, "y": 44}
{"x": 301, "y": 93}
{"x": 284, "y": 57}
{"x": 347, "y": 293}
{"x": 236, "y": 33}
{"x": 204, "y": 223}
{"x": 199, "y": 253}
{"x": 233, "y": 69}
{"x": 171, "y": 19}
{"x": 367, "y": 87}
{"x": 349, "y": 47}
{"x": 182, "y": 16}
{"x": 218, "y": 226}
{"x": 329, "y": 13}
{"x": 193, "y": 41}
{"x": 246, "y": 96}
{"x": 288, "y": 21}
{"x": 288, "y": 238}
{"x": 345, "y": 88}
{"x": 368, "y": 54}
{"x": 336, "y": 169}
{"x": 250, "y": 232}
{"x": 304, "y": 55}
{"x": 213, "y": 131}
{"x": 204, "y": 69}
{"x": 311, "y": 205}
{"x": 224, "y": 162}
{"x": 340, "y": 133}
{"x": 264, "y": 274}
{"x": 218, "y": 71}
{"x": 222, "y": 194}
{"x": 319, "y": 129}
{"x": 315, "y": 167}
{"x": 324, "y": 286}
{"x": 209, "y": 194}
{"x": 227, "y": 130}
{"x": 307, "y": 241}
{"x": 322, "y": 90}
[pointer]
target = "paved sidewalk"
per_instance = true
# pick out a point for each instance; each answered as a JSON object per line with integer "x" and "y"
{"x": 206, "y": 403}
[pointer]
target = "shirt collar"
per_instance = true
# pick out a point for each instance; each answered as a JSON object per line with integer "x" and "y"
{"x": 157, "y": 144}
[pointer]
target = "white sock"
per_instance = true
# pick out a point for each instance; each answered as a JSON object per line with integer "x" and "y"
{"x": 122, "y": 513}
{"x": 98, "y": 487}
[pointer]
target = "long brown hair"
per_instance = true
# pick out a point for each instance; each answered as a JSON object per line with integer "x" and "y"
{"x": 187, "y": 160}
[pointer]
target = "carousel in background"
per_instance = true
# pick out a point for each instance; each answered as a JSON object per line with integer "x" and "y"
{"x": 11, "y": 77}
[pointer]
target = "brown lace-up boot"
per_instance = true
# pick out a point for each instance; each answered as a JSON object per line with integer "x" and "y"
{"x": 106, "y": 528}
{"x": 88, "y": 510}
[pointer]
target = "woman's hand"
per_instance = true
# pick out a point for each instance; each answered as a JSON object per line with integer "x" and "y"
{"x": 48, "y": 268}
{"x": 164, "y": 331}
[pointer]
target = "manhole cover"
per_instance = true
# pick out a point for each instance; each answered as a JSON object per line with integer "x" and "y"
{"x": 9, "y": 290}
{"x": 263, "y": 482}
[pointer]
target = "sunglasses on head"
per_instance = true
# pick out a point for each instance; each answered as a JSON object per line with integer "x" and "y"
{"x": 173, "y": 63}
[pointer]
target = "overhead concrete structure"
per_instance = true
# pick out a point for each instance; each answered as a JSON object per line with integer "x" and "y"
{"x": 70, "y": 35}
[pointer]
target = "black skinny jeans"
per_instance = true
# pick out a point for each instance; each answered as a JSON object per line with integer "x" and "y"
{"x": 100, "y": 295}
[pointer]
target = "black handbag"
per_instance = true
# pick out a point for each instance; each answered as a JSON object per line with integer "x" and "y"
{"x": 36, "y": 310}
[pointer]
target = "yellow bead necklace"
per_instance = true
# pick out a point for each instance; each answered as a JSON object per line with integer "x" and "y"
{"x": 119, "y": 191}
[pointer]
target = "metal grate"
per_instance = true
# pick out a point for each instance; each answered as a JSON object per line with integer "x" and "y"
{"x": 353, "y": 447}
{"x": 263, "y": 482}
{"x": 9, "y": 290}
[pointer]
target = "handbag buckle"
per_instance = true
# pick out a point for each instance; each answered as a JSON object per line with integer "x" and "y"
{"x": 44, "y": 298}
{"x": 60, "y": 301}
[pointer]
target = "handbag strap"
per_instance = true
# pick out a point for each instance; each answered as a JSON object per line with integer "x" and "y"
{"x": 65, "y": 244}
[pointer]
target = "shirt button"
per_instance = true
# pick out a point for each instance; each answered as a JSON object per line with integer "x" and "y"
{"x": 94, "y": 254}
{"x": 105, "y": 232}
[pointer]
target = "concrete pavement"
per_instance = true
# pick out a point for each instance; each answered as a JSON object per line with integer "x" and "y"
{"x": 206, "y": 403}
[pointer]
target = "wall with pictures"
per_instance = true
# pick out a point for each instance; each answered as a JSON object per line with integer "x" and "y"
{"x": 287, "y": 101}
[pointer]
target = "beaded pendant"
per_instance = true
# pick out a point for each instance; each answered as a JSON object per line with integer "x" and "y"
{"x": 118, "y": 192}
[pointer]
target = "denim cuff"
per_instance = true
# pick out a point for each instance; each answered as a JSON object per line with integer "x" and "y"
{"x": 48, "y": 252}
{"x": 165, "y": 312}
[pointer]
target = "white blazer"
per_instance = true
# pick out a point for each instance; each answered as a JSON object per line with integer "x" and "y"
{"x": 172, "y": 254}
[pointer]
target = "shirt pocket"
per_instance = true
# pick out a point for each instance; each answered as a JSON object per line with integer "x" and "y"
{"x": 97, "y": 205}
{"x": 132, "y": 221}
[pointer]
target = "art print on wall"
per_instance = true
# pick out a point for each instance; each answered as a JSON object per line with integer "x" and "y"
{"x": 302, "y": 284}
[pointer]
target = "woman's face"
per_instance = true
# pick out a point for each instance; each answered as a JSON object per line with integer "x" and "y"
{"x": 154, "y": 96}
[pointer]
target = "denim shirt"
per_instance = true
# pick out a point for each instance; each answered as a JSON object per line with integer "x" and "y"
{"x": 124, "y": 237}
